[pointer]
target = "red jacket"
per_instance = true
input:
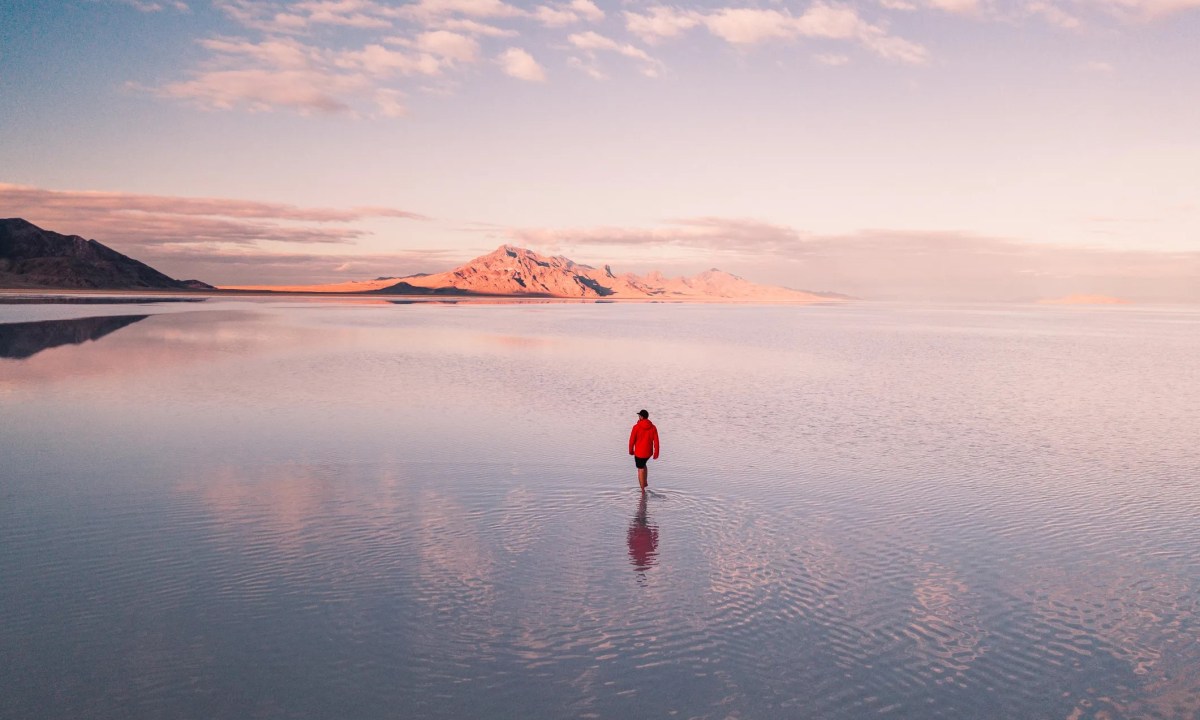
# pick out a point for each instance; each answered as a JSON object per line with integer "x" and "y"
{"x": 643, "y": 439}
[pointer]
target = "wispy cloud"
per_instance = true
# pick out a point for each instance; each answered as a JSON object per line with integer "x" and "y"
{"x": 246, "y": 266}
{"x": 888, "y": 263}
{"x": 23, "y": 196}
{"x": 831, "y": 59}
{"x": 591, "y": 42}
{"x": 473, "y": 27}
{"x": 342, "y": 56}
{"x": 276, "y": 72}
{"x": 1053, "y": 14}
{"x": 962, "y": 7}
{"x": 431, "y": 10}
{"x": 449, "y": 47}
{"x": 658, "y": 23}
{"x": 562, "y": 14}
{"x": 276, "y": 17}
{"x": 1149, "y": 9}
{"x": 748, "y": 26}
{"x": 1066, "y": 14}
{"x": 130, "y": 219}
{"x": 151, "y": 6}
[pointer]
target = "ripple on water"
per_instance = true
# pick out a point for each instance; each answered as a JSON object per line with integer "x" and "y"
{"x": 885, "y": 519}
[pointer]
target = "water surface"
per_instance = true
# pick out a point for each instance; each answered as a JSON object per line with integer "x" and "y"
{"x": 313, "y": 509}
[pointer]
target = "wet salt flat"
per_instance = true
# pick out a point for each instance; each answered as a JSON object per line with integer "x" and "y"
{"x": 316, "y": 509}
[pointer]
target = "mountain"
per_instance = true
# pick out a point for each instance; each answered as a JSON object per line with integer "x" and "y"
{"x": 511, "y": 270}
{"x": 31, "y": 257}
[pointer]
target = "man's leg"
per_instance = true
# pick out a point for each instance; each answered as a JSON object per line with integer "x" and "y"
{"x": 642, "y": 473}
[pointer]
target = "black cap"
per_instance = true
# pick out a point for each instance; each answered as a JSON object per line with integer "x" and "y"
{"x": 643, "y": 413}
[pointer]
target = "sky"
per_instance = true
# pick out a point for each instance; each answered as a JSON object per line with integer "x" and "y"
{"x": 891, "y": 149}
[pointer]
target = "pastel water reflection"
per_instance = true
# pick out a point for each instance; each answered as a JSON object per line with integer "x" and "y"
{"x": 312, "y": 509}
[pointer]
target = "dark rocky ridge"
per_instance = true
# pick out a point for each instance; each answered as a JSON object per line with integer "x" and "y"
{"x": 31, "y": 257}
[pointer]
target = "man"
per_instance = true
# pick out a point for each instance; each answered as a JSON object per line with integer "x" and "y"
{"x": 643, "y": 445}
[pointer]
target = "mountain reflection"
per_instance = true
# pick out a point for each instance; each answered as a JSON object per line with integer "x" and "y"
{"x": 643, "y": 539}
{"x": 23, "y": 340}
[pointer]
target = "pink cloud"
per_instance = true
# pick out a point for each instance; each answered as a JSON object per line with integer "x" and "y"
{"x": 660, "y": 22}
{"x": 22, "y": 196}
{"x": 430, "y": 9}
{"x": 185, "y": 229}
{"x": 243, "y": 266}
{"x": 749, "y": 26}
{"x": 260, "y": 90}
{"x": 473, "y": 27}
{"x": 285, "y": 72}
{"x": 275, "y": 72}
{"x": 934, "y": 265}
{"x": 520, "y": 64}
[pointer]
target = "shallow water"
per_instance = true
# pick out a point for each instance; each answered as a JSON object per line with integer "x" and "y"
{"x": 312, "y": 509}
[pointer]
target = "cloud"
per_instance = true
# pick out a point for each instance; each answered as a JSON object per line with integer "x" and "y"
{"x": 275, "y": 17}
{"x": 1053, "y": 15}
{"x": 379, "y": 61}
{"x": 390, "y": 104}
{"x": 348, "y": 13}
{"x": 594, "y": 41}
{"x": 343, "y": 56}
{"x": 555, "y": 17}
{"x": 142, "y": 5}
{"x": 354, "y": 57}
{"x": 747, "y": 26}
{"x": 246, "y": 266}
{"x": 588, "y": 10}
{"x": 568, "y": 13}
{"x": 587, "y": 67}
{"x": 427, "y": 10}
{"x": 933, "y": 265}
{"x": 473, "y": 27}
{"x": 148, "y": 6}
{"x": 750, "y": 26}
{"x": 450, "y": 47}
{"x": 287, "y": 73}
{"x": 261, "y": 90}
{"x": 831, "y": 59}
{"x": 961, "y": 7}
{"x": 335, "y": 56}
{"x": 1149, "y": 9}
{"x": 130, "y": 219}
{"x": 590, "y": 41}
{"x": 18, "y": 196}
{"x": 521, "y": 65}
{"x": 277, "y": 72}
{"x": 660, "y": 22}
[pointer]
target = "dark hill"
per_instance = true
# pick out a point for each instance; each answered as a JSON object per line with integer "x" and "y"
{"x": 31, "y": 257}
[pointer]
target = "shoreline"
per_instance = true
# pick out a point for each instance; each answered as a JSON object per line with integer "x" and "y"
{"x": 65, "y": 295}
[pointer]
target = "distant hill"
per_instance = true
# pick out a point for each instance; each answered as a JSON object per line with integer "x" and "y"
{"x": 514, "y": 271}
{"x": 31, "y": 257}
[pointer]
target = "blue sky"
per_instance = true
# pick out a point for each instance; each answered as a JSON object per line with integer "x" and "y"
{"x": 925, "y": 149}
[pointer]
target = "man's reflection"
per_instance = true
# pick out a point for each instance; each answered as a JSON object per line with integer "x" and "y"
{"x": 643, "y": 539}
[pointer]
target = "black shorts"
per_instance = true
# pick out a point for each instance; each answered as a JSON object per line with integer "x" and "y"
{"x": 639, "y": 463}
